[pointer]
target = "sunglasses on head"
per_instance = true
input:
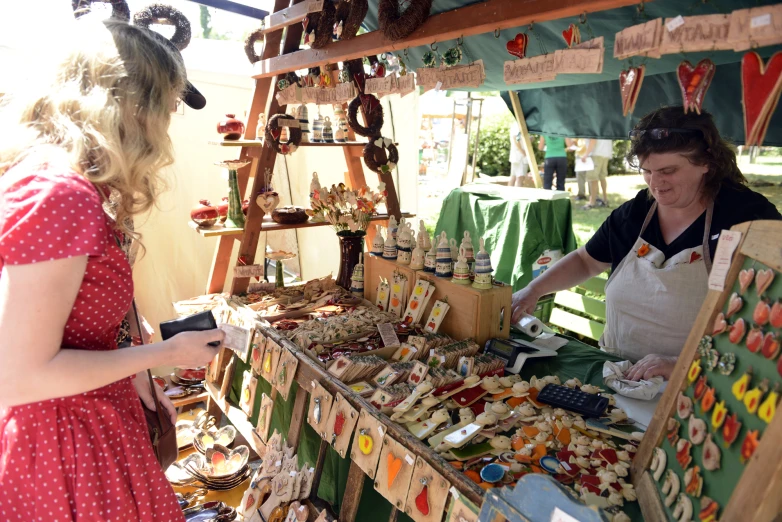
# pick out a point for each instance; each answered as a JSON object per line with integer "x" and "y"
{"x": 659, "y": 134}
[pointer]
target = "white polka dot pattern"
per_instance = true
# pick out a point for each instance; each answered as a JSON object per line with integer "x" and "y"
{"x": 88, "y": 456}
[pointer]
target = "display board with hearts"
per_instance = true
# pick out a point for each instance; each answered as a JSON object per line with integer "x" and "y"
{"x": 427, "y": 494}
{"x": 713, "y": 447}
{"x": 394, "y": 471}
{"x": 339, "y": 427}
{"x": 367, "y": 443}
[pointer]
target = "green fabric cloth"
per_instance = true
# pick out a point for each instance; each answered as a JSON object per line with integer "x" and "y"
{"x": 555, "y": 147}
{"x": 516, "y": 232}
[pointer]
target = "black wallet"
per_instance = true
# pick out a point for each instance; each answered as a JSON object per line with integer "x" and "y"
{"x": 192, "y": 323}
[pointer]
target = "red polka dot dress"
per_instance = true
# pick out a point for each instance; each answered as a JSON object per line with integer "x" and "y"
{"x": 86, "y": 457}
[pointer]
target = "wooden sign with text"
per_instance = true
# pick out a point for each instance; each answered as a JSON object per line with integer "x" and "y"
{"x": 639, "y": 40}
{"x": 309, "y": 94}
{"x": 406, "y": 84}
{"x": 252, "y": 270}
{"x": 696, "y": 33}
{"x": 380, "y": 86}
{"x": 471, "y": 75}
{"x": 345, "y": 92}
{"x": 759, "y": 26}
{"x": 545, "y": 67}
{"x": 290, "y": 95}
{"x": 327, "y": 96}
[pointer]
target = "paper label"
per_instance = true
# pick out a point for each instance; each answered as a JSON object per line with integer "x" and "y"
{"x": 437, "y": 86}
{"x": 760, "y": 21}
{"x": 278, "y": 463}
{"x": 409, "y": 459}
{"x": 674, "y": 23}
{"x": 560, "y": 516}
{"x": 729, "y": 241}
{"x": 454, "y": 492}
{"x": 285, "y": 122}
{"x": 380, "y": 430}
{"x": 388, "y": 335}
{"x": 249, "y": 270}
{"x": 292, "y": 473}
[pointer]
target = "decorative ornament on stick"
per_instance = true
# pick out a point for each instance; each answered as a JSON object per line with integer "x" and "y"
{"x": 694, "y": 82}
{"x": 761, "y": 85}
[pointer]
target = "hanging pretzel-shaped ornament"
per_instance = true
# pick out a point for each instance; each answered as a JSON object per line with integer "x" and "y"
{"x": 318, "y": 27}
{"x": 381, "y": 155}
{"x": 373, "y": 115}
{"x": 348, "y": 17}
{"x": 274, "y": 133}
{"x": 396, "y": 25}
{"x": 249, "y": 45}
{"x": 166, "y": 15}
{"x": 119, "y": 8}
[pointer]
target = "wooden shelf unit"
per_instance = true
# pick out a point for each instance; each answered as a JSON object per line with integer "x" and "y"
{"x": 258, "y": 143}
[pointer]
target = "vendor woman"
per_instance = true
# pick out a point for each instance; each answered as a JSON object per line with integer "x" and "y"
{"x": 660, "y": 245}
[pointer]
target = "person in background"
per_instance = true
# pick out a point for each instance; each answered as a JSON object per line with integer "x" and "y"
{"x": 580, "y": 146}
{"x": 600, "y": 151}
{"x": 659, "y": 245}
{"x": 555, "y": 160}
{"x": 518, "y": 157}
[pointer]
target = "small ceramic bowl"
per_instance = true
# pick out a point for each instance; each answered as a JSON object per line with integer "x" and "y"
{"x": 207, "y": 439}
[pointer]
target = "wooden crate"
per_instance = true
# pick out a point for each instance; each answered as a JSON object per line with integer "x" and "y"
{"x": 375, "y": 267}
{"x": 477, "y": 314}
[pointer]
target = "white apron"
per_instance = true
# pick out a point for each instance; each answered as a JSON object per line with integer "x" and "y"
{"x": 651, "y": 302}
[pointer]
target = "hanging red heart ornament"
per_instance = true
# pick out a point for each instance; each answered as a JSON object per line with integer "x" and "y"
{"x": 572, "y": 35}
{"x": 761, "y": 85}
{"x": 422, "y": 499}
{"x": 518, "y": 46}
{"x": 630, "y": 81}
{"x": 694, "y": 82}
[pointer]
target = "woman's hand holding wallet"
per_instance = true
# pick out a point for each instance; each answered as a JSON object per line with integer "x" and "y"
{"x": 192, "y": 341}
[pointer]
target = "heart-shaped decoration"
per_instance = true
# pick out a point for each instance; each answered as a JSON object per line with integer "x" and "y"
{"x": 422, "y": 499}
{"x": 763, "y": 280}
{"x": 694, "y": 256}
{"x": 268, "y": 201}
{"x": 720, "y": 324}
{"x": 379, "y": 142}
{"x": 572, "y": 35}
{"x": 224, "y": 437}
{"x": 770, "y": 346}
{"x": 745, "y": 279}
{"x": 630, "y": 82}
{"x": 694, "y": 82}
{"x": 250, "y": 502}
{"x": 734, "y": 304}
{"x": 394, "y": 467}
{"x": 518, "y": 46}
{"x": 223, "y": 462}
{"x": 339, "y": 423}
{"x": 761, "y": 85}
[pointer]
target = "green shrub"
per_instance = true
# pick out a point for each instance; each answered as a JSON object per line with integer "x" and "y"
{"x": 494, "y": 146}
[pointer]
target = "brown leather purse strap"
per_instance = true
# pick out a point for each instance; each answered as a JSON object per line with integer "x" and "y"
{"x": 152, "y": 385}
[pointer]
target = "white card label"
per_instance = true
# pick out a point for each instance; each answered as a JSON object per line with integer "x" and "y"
{"x": 380, "y": 430}
{"x": 409, "y": 459}
{"x": 437, "y": 86}
{"x": 560, "y": 516}
{"x": 760, "y": 21}
{"x": 292, "y": 473}
{"x": 278, "y": 463}
{"x": 675, "y": 23}
{"x": 454, "y": 492}
{"x": 729, "y": 241}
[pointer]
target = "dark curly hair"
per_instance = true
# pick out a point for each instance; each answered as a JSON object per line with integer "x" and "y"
{"x": 704, "y": 147}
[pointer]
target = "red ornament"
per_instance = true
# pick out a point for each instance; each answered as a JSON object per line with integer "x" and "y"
{"x": 731, "y": 429}
{"x": 230, "y": 127}
{"x": 694, "y": 82}
{"x": 572, "y": 35}
{"x": 204, "y": 214}
{"x": 761, "y": 85}
{"x": 339, "y": 424}
{"x": 518, "y": 46}
{"x": 422, "y": 499}
{"x": 630, "y": 85}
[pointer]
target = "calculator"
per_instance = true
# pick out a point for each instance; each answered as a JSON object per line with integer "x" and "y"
{"x": 585, "y": 404}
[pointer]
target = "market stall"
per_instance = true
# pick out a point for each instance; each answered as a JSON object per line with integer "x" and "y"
{"x": 399, "y": 370}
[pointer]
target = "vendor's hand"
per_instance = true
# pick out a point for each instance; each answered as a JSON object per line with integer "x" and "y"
{"x": 191, "y": 349}
{"x": 524, "y": 302}
{"x": 141, "y": 382}
{"x": 652, "y": 365}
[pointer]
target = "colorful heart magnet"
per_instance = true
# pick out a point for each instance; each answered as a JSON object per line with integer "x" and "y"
{"x": 694, "y": 82}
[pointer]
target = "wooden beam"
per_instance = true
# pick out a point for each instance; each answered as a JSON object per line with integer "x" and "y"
{"x": 289, "y": 16}
{"x": 483, "y": 17}
{"x": 298, "y": 415}
{"x": 533, "y": 164}
{"x": 234, "y": 7}
{"x": 352, "y": 496}
{"x": 220, "y": 262}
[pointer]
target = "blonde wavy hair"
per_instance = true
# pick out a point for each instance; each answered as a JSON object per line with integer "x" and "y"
{"x": 106, "y": 105}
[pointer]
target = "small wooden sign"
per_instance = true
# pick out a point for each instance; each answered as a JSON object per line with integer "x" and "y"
{"x": 758, "y": 26}
{"x": 254, "y": 270}
{"x": 594, "y": 43}
{"x": 427, "y": 77}
{"x": 471, "y": 75}
{"x": 288, "y": 122}
{"x": 643, "y": 39}
{"x": 339, "y": 427}
{"x": 431, "y": 488}
{"x": 406, "y": 84}
{"x": 289, "y": 95}
{"x": 286, "y": 370}
{"x": 310, "y": 94}
{"x": 695, "y": 33}
{"x": 314, "y": 6}
{"x": 237, "y": 338}
{"x": 578, "y": 61}
{"x": 380, "y": 86}
{"x": 326, "y": 96}
{"x": 257, "y": 349}
{"x": 394, "y": 471}
{"x": 367, "y": 443}
{"x": 264, "y": 417}
{"x": 345, "y": 92}
{"x": 319, "y": 399}
{"x": 529, "y": 69}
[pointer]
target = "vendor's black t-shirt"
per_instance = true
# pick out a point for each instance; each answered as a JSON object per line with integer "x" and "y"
{"x": 616, "y": 236}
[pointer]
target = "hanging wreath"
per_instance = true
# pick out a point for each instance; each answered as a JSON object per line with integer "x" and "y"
{"x": 373, "y": 115}
{"x": 249, "y": 45}
{"x": 119, "y": 8}
{"x": 321, "y": 24}
{"x": 381, "y": 155}
{"x": 396, "y": 25}
{"x": 274, "y": 131}
{"x": 165, "y": 14}
{"x": 348, "y": 18}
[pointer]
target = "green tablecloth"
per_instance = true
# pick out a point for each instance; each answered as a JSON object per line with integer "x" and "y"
{"x": 573, "y": 360}
{"x": 515, "y": 231}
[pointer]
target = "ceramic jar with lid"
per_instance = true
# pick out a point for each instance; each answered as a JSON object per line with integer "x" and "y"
{"x": 230, "y": 127}
{"x": 204, "y": 214}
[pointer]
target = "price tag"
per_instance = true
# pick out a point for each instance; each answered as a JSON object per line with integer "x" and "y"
{"x": 409, "y": 459}
{"x": 380, "y": 430}
{"x": 760, "y": 21}
{"x": 437, "y": 86}
{"x": 292, "y": 473}
{"x": 278, "y": 463}
{"x": 565, "y": 465}
{"x": 729, "y": 241}
{"x": 560, "y": 516}
{"x": 675, "y": 23}
{"x": 454, "y": 492}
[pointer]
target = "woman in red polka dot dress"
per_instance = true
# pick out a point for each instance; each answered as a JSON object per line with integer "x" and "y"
{"x": 73, "y": 437}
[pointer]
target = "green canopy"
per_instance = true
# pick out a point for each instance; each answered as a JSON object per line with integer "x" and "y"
{"x": 589, "y": 105}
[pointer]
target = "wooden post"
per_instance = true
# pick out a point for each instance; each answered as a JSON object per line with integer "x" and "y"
{"x": 297, "y": 416}
{"x": 324, "y": 448}
{"x": 533, "y": 164}
{"x": 352, "y": 497}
